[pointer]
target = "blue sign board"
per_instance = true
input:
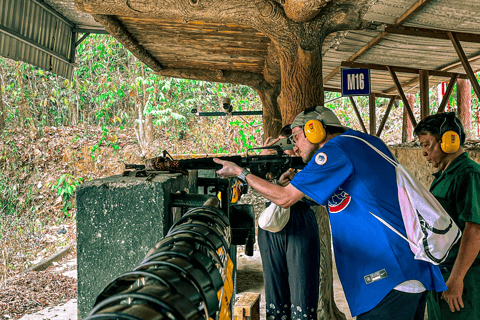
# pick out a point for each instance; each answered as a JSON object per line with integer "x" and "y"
{"x": 355, "y": 82}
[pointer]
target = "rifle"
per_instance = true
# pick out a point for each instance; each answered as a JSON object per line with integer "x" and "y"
{"x": 264, "y": 166}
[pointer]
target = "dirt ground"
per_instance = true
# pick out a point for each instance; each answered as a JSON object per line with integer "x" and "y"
{"x": 250, "y": 279}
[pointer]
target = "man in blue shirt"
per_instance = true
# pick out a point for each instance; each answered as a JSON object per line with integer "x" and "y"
{"x": 379, "y": 274}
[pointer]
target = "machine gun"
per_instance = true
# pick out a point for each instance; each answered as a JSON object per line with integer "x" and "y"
{"x": 264, "y": 166}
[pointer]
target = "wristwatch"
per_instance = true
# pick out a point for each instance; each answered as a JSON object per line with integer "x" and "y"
{"x": 243, "y": 175}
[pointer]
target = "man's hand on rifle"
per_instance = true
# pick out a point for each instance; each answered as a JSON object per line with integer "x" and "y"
{"x": 229, "y": 169}
{"x": 286, "y": 177}
{"x": 269, "y": 142}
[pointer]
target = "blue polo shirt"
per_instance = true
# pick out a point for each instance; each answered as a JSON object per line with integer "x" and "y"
{"x": 352, "y": 180}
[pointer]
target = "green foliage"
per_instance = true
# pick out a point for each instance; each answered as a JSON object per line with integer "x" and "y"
{"x": 65, "y": 188}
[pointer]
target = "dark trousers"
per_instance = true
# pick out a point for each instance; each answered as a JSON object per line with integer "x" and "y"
{"x": 398, "y": 305}
{"x": 291, "y": 260}
{"x": 438, "y": 308}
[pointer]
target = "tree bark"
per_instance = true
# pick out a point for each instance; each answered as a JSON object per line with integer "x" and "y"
{"x": 272, "y": 118}
{"x": 327, "y": 309}
{"x": 303, "y": 10}
{"x": 302, "y": 81}
{"x": 464, "y": 102}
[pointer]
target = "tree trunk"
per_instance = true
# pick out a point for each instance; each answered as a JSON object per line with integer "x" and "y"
{"x": 272, "y": 119}
{"x": 302, "y": 81}
{"x": 302, "y": 87}
{"x": 2, "y": 108}
{"x": 327, "y": 309}
{"x": 464, "y": 102}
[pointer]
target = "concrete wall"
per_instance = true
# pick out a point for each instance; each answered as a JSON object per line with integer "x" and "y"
{"x": 413, "y": 160}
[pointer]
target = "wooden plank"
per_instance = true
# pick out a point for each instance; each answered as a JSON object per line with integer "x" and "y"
{"x": 404, "y": 97}
{"x": 419, "y": 5}
{"x": 385, "y": 117}
{"x": 247, "y": 307}
{"x": 44, "y": 264}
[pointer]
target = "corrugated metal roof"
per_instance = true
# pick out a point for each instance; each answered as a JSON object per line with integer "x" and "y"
{"x": 409, "y": 50}
{"x": 30, "y": 32}
{"x": 42, "y": 33}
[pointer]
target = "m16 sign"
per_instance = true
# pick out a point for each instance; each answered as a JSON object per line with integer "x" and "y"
{"x": 355, "y": 82}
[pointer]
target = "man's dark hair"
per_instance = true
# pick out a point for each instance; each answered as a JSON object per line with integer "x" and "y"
{"x": 334, "y": 129}
{"x": 286, "y": 131}
{"x": 438, "y": 124}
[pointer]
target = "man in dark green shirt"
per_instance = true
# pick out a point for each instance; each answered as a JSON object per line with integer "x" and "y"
{"x": 457, "y": 187}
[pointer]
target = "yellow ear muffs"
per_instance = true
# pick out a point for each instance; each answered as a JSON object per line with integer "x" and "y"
{"x": 315, "y": 131}
{"x": 450, "y": 142}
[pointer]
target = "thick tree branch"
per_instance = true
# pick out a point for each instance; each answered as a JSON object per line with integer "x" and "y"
{"x": 253, "y": 80}
{"x": 343, "y": 15}
{"x": 116, "y": 29}
{"x": 303, "y": 10}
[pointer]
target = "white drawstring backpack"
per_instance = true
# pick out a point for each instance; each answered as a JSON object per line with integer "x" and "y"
{"x": 431, "y": 232}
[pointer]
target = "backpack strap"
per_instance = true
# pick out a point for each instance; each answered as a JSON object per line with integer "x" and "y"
{"x": 390, "y": 160}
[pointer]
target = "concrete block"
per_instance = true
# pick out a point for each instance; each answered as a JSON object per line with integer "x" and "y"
{"x": 118, "y": 220}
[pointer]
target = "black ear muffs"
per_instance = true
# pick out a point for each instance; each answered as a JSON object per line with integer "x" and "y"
{"x": 315, "y": 131}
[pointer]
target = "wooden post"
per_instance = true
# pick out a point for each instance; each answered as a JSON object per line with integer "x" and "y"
{"x": 247, "y": 307}
{"x": 359, "y": 116}
{"x": 448, "y": 92}
{"x": 385, "y": 116}
{"x": 407, "y": 131}
{"x": 464, "y": 102}
{"x": 373, "y": 118}
{"x": 424, "y": 94}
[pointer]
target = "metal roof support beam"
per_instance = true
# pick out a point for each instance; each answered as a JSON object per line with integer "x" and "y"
{"x": 372, "y": 66}
{"x": 36, "y": 45}
{"x": 404, "y": 98}
{"x": 432, "y": 33}
{"x": 465, "y": 63}
{"x": 373, "y": 116}
{"x": 81, "y": 39}
{"x": 94, "y": 31}
{"x": 424, "y": 94}
{"x": 385, "y": 117}
{"x": 448, "y": 92}
{"x": 377, "y": 93}
{"x": 359, "y": 117}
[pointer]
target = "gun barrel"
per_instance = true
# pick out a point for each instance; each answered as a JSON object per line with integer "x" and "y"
{"x": 259, "y": 165}
{"x": 207, "y": 163}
